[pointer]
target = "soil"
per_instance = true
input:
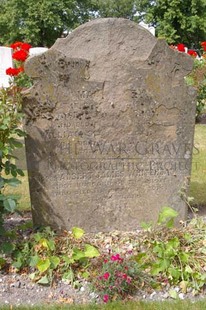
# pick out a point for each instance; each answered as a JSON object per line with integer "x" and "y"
{"x": 17, "y": 289}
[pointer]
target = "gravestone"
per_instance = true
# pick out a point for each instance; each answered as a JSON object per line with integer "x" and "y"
{"x": 110, "y": 125}
{"x": 5, "y": 62}
{"x": 37, "y": 50}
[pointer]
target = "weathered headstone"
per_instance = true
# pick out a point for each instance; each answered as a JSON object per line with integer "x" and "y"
{"x": 5, "y": 62}
{"x": 110, "y": 125}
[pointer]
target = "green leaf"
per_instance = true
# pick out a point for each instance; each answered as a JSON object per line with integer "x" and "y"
{"x": 2, "y": 262}
{"x": 174, "y": 272}
{"x": 14, "y": 173}
{"x": 1, "y": 182}
{"x": 55, "y": 261}
{"x": 139, "y": 258}
{"x": 85, "y": 275}
{"x": 7, "y": 247}
{"x": 2, "y": 230}
{"x": 188, "y": 237}
{"x": 156, "y": 269}
{"x": 32, "y": 275}
{"x": 14, "y": 197}
{"x": 18, "y": 263}
{"x": 47, "y": 244}
{"x": 159, "y": 249}
{"x": 77, "y": 232}
{"x": 188, "y": 269}
{"x": 7, "y": 170}
{"x": 51, "y": 244}
{"x": 77, "y": 254}
{"x": 20, "y": 133}
{"x": 166, "y": 214}
{"x": 90, "y": 251}
{"x": 15, "y": 143}
{"x": 9, "y": 204}
{"x": 34, "y": 260}
{"x": 44, "y": 243}
{"x": 165, "y": 264}
{"x": 68, "y": 260}
{"x": 68, "y": 276}
{"x": 203, "y": 250}
{"x": 184, "y": 257}
{"x": 146, "y": 226}
{"x": 203, "y": 276}
{"x": 43, "y": 265}
{"x": 174, "y": 242}
{"x": 37, "y": 237}
{"x": 170, "y": 223}
{"x": 3, "y": 127}
{"x": 20, "y": 172}
{"x": 12, "y": 182}
{"x": 44, "y": 280}
{"x": 173, "y": 294}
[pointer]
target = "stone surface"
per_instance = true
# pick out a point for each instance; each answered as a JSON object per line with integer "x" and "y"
{"x": 110, "y": 125}
{"x": 5, "y": 62}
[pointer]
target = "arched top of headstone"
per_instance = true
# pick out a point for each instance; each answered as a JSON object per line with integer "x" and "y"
{"x": 114, "y": 48}
{"x": 113, "y": 43}
{"x": 109, "y": 37}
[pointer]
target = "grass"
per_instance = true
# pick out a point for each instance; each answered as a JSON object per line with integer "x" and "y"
{"x": 23, "y": 189}
{"x": 161, "y": 305}
{"x": 198, "y": 177}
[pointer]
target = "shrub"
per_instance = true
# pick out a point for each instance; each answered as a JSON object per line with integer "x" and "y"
{"x": 118, "y": 277}
{"x": 10, "y": 124}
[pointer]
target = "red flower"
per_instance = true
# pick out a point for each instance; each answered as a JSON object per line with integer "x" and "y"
{"x": 116, "y": 258}
{"x": 21, "y": 45}
{"x": 105, "y": 298}
{"x": 26, "y": 46}
{"x": 129, "y": 279}
{"x": 124, "y": 276}
{"x": 203, "y": 44}
{"x": 192, "y": 53}
{"x": 181, "y": 47}
{"x": 20, "y": 55}
{"x": 12, "y": 71}
{"x": 106, "y": 275}
{"x": 16, "y": 45}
